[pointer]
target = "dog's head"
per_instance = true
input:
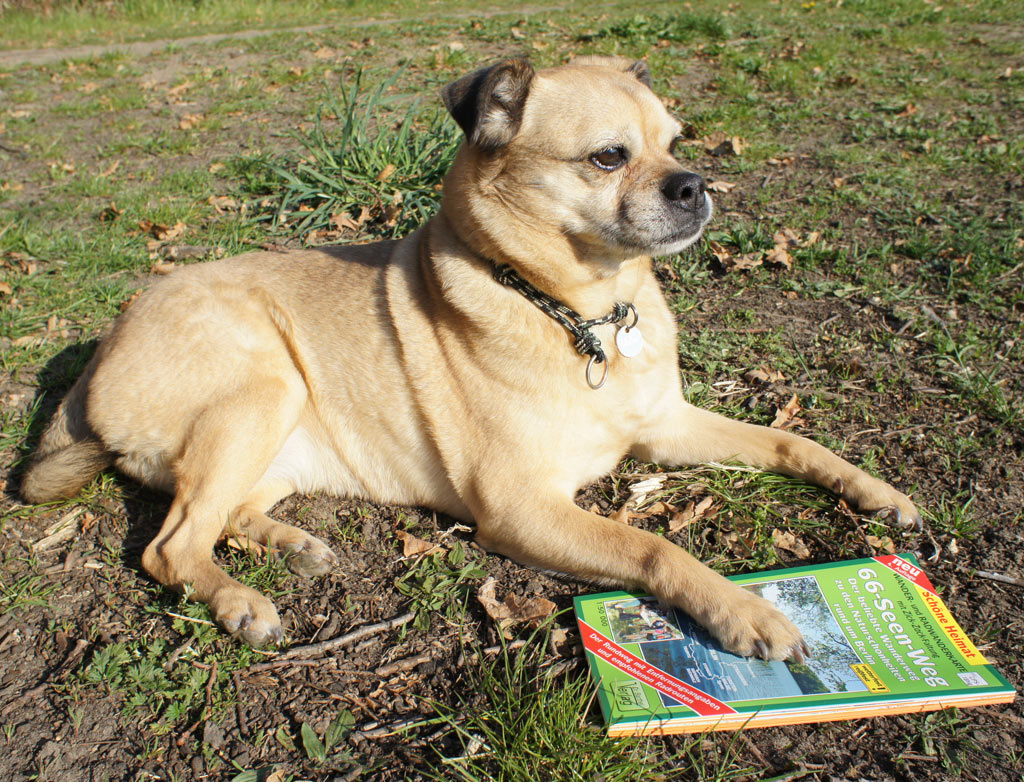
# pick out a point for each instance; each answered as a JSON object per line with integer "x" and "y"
{"x": 582, "y": 152}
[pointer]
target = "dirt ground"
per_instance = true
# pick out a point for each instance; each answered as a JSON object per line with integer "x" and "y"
{"x": 60, "y": 726}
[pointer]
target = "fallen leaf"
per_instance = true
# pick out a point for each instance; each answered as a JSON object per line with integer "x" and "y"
{"x": 130, "y": 300}
{"x": 791, "y": 543}
{"x": 5, "y": 289}
{"x": 908, "y": 111}
{"x": 811, "y": 239}
{"x": 883, "y": 544}
{"x": 216, "y": 168}
{"x": 386, "y": 172}
{"x": 787, "y": 237}
{"x": 779, "y": 256}
{"x": 184, "y": 252}
{"x": 11, "y": 187}
{"x": 161, "y": 232}
{"x": 1006, "y": 74}
{"x": 693, "y": 512}
{"x": 222, "y": 203}
{"x": 111, "y": 213}
{"x": 513, "y": 609}
{"x": 174, "y": 92}
{"x": 324, "y": 53}
{"x": 718, "y": 186}
{"x": 161, "y": 268}
{"x": 719, "y": 144}
{"x": 190, "y": 121}
{"x": 763, "y": 375}
{"x": 413, "y": 546}
{"x": 248, "y": 544}
{"x": 739, "y": 263}
{"x": 785, "y": 417}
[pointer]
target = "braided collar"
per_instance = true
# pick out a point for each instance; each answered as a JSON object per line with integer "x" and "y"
{"x": 587, "y": 342}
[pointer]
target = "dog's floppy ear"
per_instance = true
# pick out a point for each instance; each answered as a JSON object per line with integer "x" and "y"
{"x": 639, "y": 69}
{"x": 488, "y": 103}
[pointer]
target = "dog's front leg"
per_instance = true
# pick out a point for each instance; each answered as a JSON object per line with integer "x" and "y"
{"x": 555, "y": 534}
{"x": 688, "y": 435}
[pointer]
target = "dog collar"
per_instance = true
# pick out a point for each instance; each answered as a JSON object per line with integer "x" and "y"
{"x": 587, "y": 342}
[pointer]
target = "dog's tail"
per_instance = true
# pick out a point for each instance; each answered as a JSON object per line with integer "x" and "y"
{"x": 69, "y": 455}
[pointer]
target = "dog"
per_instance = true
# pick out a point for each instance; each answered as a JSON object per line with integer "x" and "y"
{"x": 511, "y": 350}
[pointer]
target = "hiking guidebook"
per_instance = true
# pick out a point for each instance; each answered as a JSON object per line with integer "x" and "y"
{"x": 882, "y": 642}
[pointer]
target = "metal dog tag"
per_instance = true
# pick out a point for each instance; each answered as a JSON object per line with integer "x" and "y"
{"x": 629, "y": 341}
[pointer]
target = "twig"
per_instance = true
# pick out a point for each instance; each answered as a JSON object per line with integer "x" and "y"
{"x": 791, "y": 775}
{"x": 314, "y": 650}
{"x": 189, "y": 619}
{"x": 403, "y": 665}
{"x": 387, "y": 730}
{"x": 275, "y": 664}
{"x": 1000, "y": 578}
{"x": 206, "y": 706}
{"x": 243, "y": 725}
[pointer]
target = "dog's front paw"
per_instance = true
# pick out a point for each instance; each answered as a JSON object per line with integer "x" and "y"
{"x": 749, "y": 625}
{"x": 247, "y": 615}
{"x": 878, "y": 497}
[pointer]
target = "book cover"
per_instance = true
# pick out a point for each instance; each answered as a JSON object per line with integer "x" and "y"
{"x": 882, "y": 642}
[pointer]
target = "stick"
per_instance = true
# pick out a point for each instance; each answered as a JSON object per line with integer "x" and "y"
{"x": 206, "y": 706}
{"x": 314, "y": 650}
{"x": 1000, "y": 578}
{"x": 403, "y": 665}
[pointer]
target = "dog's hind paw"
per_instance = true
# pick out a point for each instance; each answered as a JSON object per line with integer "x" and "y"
{"x": 310, "y": 558}
{"x": 247, "y": 615}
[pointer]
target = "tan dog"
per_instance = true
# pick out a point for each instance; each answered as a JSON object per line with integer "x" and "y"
{"x": 406, "y": 372}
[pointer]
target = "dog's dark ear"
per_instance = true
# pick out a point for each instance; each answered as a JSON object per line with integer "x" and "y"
{"x": 488, "y": 104}
{"x": 642, "y": 72}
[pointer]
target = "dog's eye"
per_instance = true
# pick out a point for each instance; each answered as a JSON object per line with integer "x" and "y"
{"x": 609, "y": 159}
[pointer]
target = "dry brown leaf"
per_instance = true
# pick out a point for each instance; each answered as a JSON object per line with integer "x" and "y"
{"x": 190, "y": 121}
{"x": 5, "y": 288}
{"x": 623, "y": 514}
{"x": 413, "y": 546}
{"x": 249, "y": 545}
{"x": 222, "y": 203}
{"x": 386, "y": 172}
{"x": 785, "y": 417}
{"x": 718, "y": 186}
{"x": 693, "y": 512}
{"x": 779, "y": 256}
{"x": 162, "y": 267}
{"x": 161, "y": 232}
{"x": 719, "y": 252}
{"x": 763, "y": 375}
{"x": 882, "y": 544}
{"x": 513, "y": 609}
{"x": 129, "y": 301}
{"x": 723, "y": 144}
{"x": 111, "y": 168}
{"x": 739, "y": 263}
{"x": 174, "y": 92}
{"x": 787, "y": 237}
{"x": 791, "y": 543}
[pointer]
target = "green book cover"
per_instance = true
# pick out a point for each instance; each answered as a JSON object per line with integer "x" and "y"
{"x": 881, "y": 639}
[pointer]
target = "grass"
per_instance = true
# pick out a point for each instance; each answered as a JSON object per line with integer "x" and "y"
{"x": 890, "y": 129}
{"x": 524, "y": 719}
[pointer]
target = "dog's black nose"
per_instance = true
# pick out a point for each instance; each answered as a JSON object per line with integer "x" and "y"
{"x": 686, "y": 189}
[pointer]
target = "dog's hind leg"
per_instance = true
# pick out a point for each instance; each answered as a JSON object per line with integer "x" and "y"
{"x": 306, "y": 555}
{"x": 228, "y": 449}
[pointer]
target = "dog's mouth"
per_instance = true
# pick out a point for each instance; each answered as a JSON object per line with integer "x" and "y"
{"x": 664, "y": 229}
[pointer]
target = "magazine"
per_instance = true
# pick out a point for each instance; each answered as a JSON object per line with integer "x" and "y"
{"x": 881, "y": 639}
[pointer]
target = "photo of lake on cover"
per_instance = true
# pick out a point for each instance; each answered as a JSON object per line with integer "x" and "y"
{"x": 695, "y": 658}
